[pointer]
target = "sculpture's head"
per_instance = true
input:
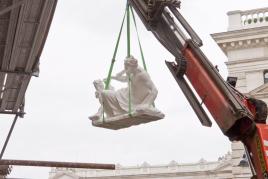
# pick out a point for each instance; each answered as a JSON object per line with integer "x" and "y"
{"x": 98, "y": 85}
{"x": 131, "y": 64}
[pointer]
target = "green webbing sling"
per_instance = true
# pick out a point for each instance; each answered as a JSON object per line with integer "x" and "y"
{"x": 128, "y": 55}
{"x": 128, "y": 30}
{"x": 108, "y": 79}
{"x": 141, "y": 51}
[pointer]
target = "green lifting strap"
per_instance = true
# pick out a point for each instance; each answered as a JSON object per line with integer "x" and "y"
{"x": 128, "y": 55}
{"x": 128, "y": 11}
{"x": 141, "y": 51}
{"x": 108, "y": 79}
{"x": 128, "y": 30}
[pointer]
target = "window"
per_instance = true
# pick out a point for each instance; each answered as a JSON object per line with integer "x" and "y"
{"x": 265, "y": 76}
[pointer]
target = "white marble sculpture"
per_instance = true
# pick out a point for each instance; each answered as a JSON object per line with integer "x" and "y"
{"x": 116, "y": 102}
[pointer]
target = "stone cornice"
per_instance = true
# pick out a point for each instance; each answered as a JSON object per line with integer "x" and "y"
{"x": 241, "y": 39}
{"x": 261, "y": 95}
{"x": 236, "y": 62}
{"x": 258, "y": 95}
{"x": 259, "y": 92}
{"x": 244, "y": 44}
{"x": 242, "y": 34}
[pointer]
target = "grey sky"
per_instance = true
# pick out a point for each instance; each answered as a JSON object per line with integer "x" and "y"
{"x": 78, "y": 50}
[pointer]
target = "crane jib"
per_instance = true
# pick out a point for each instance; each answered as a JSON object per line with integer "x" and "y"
{"x": 235, "y": 114}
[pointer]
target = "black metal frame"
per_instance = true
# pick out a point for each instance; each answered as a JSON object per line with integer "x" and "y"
{"x": 7, "y": 169}
{"x": 10, "y": 8}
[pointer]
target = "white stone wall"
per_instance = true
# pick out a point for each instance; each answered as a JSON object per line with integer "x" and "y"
{"x": 237, "y": 153}
{"x": 249, "y": 71}
{"x": 255, "y": 79}
{"x": 249, "y": 53}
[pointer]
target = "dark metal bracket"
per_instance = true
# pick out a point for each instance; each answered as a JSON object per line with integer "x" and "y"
{"x": 10, "y": 8}
{"x": 186, "y": 89}
{"x": 18, "y": 72}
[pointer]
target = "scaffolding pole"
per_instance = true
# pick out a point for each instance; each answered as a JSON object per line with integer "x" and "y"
{"x": 57, "y": 164}
{"x": 8, "y": 136}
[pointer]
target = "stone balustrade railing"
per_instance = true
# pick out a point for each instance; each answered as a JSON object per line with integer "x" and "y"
{"x": 173, "y": 167}
{"x": 254, "y": 16}
{"x": 248, "y": 19}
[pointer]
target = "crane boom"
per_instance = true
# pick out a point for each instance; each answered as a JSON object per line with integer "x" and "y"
{"x": 240, "y": 118}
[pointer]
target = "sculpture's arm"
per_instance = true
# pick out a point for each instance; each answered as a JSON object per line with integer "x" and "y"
{"x": 120, "y": 76}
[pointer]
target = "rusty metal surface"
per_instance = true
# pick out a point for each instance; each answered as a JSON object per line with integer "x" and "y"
{"x": 24, "y": 26}
{"x": 4, "y": 170}
{"x": 150, "y": 10}
{"x": 57, "y": 164}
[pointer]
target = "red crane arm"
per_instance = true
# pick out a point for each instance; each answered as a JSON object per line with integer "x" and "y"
{"x": 236, "y": 115}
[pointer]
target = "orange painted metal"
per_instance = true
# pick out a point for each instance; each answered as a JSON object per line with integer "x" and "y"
{"x": 263, "y": 131}
{"x": 257, "y": 145}
{"x": 217, "y": 104}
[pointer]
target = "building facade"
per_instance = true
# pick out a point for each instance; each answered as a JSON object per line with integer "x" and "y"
{"x": 221, "y": 169}
{"x": 246, "y": 45}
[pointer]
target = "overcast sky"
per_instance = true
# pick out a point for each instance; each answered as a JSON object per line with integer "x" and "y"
{"x": 78, "y": 50}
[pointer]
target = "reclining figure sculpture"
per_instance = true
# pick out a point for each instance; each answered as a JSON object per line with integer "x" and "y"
{"x": 141, "y": 91}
